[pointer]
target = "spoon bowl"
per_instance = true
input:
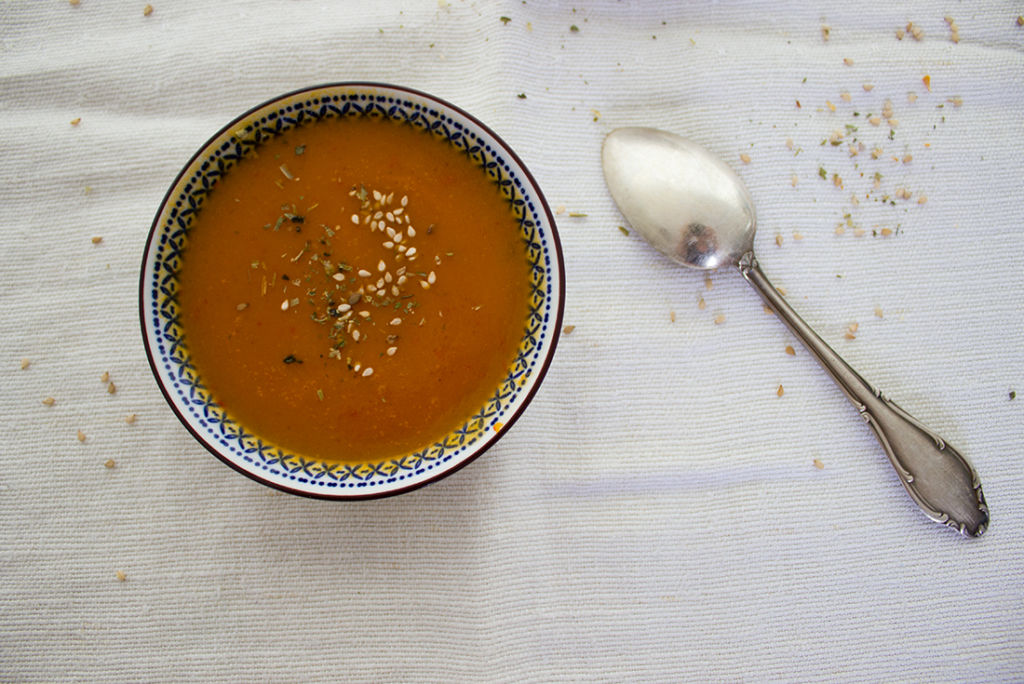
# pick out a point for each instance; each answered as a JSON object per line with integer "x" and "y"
{"x": 709, "y": 225}
{"x": 692, "y": 207}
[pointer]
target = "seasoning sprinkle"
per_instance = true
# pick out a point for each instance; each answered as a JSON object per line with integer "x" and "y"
{"x": 49, "y": 401}
{"x": 81, "y": 436}
{"x": 109, "y": 463}
{"x": 121, "y": 577}
{"x": 129, "y": 419}
{"x": 567, "y": 330}
{"x": 25, "y": 363}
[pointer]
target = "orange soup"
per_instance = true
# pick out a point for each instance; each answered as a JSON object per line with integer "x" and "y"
{"x": 353, "y": 290}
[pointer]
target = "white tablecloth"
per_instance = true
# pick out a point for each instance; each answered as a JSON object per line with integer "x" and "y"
{"x": 659, "y": 513}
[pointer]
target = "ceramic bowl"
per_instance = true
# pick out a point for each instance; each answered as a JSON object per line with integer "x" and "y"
{"x": 238, "y": 445}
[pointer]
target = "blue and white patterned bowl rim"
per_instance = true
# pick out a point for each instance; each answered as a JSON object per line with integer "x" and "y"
{"x": 268, "y": 463}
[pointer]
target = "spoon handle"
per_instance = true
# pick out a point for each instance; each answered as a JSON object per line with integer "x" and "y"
{"x": 936, "y": 476}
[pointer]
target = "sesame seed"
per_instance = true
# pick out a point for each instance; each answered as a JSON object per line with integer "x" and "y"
{"x": 284, "y": 305}
{"x": 377, "y": 196}
{"x": 363, "y": 273}
{"x": 364, "y": 314}
{"x": 49, "y": 401}
{"x": 368, "y": 372}
{"x": 342, "y": 308}
{"x": 395, "y": 321}
{"x": 431, "y": 277}
{"x": 388, "y": 245}
{"x": 410, "y": 252}
{"x": 780, "y": 391}
{"x": 424, "y": 284}
{"x": 411, "y": 231}
{"x": 381, "y": 266}
{"x": 392, "y": 351}
{"x": 339, "y": 276}
{"x": 356, "y": 335}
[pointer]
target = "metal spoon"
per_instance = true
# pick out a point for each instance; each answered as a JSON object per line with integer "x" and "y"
{"x": 692, "y": 207}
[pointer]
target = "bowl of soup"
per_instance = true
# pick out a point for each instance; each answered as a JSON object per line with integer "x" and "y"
{"x": 351, "y": 290}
